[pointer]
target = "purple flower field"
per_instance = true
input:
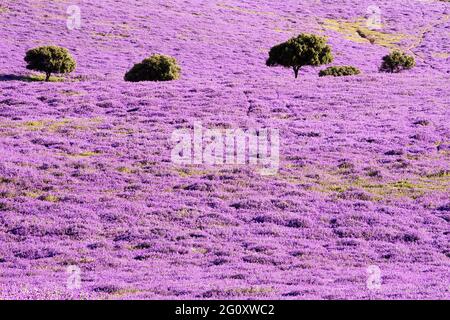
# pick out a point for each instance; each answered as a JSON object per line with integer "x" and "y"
{"x": 87, "y": 181}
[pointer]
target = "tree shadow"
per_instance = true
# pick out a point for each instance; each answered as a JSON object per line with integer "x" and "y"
{"x": 31, "y": 78}
{"x": 13, "y": 77}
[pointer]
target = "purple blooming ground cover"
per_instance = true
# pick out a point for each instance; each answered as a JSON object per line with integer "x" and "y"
{"x": 93, "y": 207}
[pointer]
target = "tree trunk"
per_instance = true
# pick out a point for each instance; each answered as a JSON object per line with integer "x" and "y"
{"x": 296, "y": 69}
{"x": 47, "y": 76}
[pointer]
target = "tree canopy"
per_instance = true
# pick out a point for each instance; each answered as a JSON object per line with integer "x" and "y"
{"x": 303, "y": 50}
{"x": 50, "y": 59}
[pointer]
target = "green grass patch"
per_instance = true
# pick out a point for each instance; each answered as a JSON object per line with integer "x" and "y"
{"x": 125, "y": 170}
{"x": 357, "y": 31}
{"x": 41, "y": 77}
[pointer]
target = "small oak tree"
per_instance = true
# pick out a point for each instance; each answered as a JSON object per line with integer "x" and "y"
{"x": 397, "y": 61}
{"x": 50, "y": 59}
{"x": 303, "y": 50}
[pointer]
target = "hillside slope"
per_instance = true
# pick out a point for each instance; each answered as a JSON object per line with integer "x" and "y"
{"x": 86, "y": 177}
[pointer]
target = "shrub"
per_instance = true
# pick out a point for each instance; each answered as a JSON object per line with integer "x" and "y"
{"x": 156, "y": 68}
{"x": 397, "y": 61}
{"x": 50, "y": 59}
{"x": 303, "y": 50}
{"x": 339, "y": 71}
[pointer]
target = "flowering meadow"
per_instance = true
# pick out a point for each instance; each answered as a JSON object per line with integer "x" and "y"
{"x": 92, "y": 207}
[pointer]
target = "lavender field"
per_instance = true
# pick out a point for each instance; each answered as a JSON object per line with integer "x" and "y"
{"x": 88, "y": 188}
